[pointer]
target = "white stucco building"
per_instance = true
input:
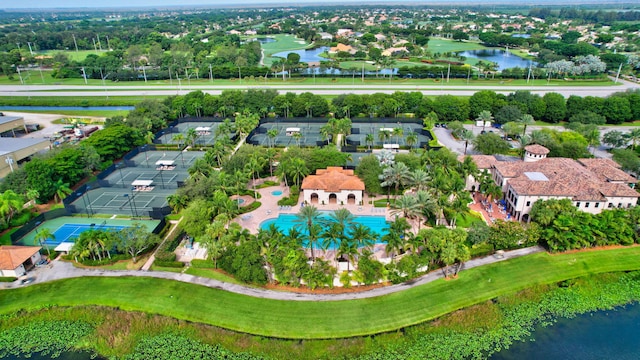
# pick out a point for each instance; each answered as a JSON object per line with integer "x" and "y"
{"x": 15, "y": 261}
{"x": 591, "y": 184}
{"x": 333, "y": 185}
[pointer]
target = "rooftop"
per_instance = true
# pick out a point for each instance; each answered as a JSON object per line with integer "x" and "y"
{"x": 9, "y": 145}
{"x": 333, "y": 179}
{"x": 536, "y": 149}
{"x": 12, "y": 256}
{"x": 6, "y": 119}
{"x": 563, "y": 177}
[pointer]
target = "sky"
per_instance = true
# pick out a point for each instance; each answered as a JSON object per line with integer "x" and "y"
{"x": 156, "y": 3}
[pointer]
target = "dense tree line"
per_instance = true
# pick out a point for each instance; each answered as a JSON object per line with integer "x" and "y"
{"x": 566, "y": 228}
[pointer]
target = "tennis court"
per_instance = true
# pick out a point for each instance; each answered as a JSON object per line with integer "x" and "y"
{"x": 359, "y": 132}
{"x": 309, "y": 134}
{"x": 67, "y": 228}
{"x": 206, "y": 133}
{"x": 124, "y": 202}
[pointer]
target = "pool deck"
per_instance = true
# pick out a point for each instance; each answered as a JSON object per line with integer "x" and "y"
{"x": 270, "y": 208}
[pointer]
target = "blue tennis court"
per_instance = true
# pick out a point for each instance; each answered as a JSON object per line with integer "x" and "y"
{"x": 68, "y": 232}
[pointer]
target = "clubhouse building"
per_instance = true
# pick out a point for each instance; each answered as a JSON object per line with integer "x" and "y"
{"x": 333, "y": 185}
{"x": 591, "y": 184}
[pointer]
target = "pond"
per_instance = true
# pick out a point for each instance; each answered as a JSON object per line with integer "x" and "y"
{"x": 263, "y": 40}
{"x": 75, "y": 108}
{"x": 611, "y": 334}
{"x": 306, "y": 55}
{"x": 504, "y": 59}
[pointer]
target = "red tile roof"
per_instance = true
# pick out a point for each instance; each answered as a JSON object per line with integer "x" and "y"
{"x": 536, "y": 149}
{"x": 332, "y": 179}
{"x": 12, "y": 256}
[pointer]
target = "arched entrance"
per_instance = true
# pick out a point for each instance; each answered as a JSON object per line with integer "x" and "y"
{"x": 314, "y": 198}
{"x": 333, "y": 199}
{"x": 351, "y": 199}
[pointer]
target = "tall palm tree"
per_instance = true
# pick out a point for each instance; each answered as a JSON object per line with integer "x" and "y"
{"x": 179, "y": 138}
{"x": 297, "y": 137}
{"x": 412, "y": 139}
{"x": 307, "y": 217}
{"x": 395, "y": 175}
{"x": 326, "y": 132}
{"x": 384, "y": 135}
{"x": 298, "y": 170}
{"x": 362, "y": 235}
{"x": 42, "y": 236}
{"x": 349, "y": 249}
{"x": 634, "y": 137}
{"x": 428, "y": 205}
{"x": 484, "y": 116}
{"x": 398, "y": 132}
{"x": 343, "y": 217}
{"x": 191, "y": 137}
{"x": 407, "y": 206}
{"x": 420, "y": 179}
{"x": 369, "y": 139}
{"x": 255, "y": 164}
{"x": 61, "y": 190}
{"x": 239, "y": 181}
{"x": 272, "y": 134}
{"x": 177, "y": 202}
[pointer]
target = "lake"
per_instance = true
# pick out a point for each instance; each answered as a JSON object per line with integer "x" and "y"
{"x": 600, "y": 335}
{"x": 88, "y": 108}
{"x": 306, "y": 55}
{"x": 504, "y": 59}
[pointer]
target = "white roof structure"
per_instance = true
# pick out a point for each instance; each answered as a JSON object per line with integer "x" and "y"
{"x": 293, "y": 129}
{"x": 165, "y": 162}
{"x": 142, "y": 182}
{"x": 386, "y": 129}
{"x": 64, "y": 247}
{"x": 203, "y": 128}
{"x": 391, "y": 146}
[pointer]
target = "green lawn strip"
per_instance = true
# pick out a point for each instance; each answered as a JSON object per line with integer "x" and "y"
{"x": 442, "y": 46}
{"x": 212, "y": 274}
{"x": 316, "y": 320}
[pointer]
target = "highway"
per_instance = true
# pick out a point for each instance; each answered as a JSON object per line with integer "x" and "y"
{"x": 136, "y": 89}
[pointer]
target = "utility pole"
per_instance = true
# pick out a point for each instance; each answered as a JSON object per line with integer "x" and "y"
{"x": 94, "y": 45}
{"x": 84, "y": 75}
{"x": 74, "y": 41}
{"x": 19, "y": 75}
{"x": 144, "y": 72}
{"x": 108, "y": 45}
{"x": 99, "y": 45}
{"x": 618, "y": 74}
{"x": 210, "y": 74}
{"x": 30, "y": 50}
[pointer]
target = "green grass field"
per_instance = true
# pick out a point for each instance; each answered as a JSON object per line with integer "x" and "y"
{"x": 438, "y": 45}
{"x": 284, "y": 42}
{"x": 324, "y": 319}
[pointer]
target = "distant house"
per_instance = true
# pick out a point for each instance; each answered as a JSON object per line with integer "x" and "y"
{"x": 394, "y": 51}
{"x": 325, "y": 36}
{"x": 333, "y": 185}
{"x": 342, "y": 47}
{"x": 15, "y": 261}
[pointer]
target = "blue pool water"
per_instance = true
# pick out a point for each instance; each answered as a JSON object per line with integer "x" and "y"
{"x": 240, "y": 201}
{"x": 276, "y": 192}
{"x": 284, "y": 222}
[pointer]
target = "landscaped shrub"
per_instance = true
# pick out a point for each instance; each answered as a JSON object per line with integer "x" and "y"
{"x": 291, "y": 200}
{"x": 106, "y": 261}
{"x": 202, "y": 264}
{"x": 170, "y": 264}
{"x": 254, "y": 205}
{"x": 22, "y": 218}
{"x": 7, "y": 279}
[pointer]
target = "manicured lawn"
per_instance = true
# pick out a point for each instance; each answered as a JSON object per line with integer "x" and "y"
{"x": 80, "y": 55}
{"x": 326, "y": 319}
{"x": 284, "y": 42}
{"x": 437, "y": 45}
{"x": 212, "y": 274}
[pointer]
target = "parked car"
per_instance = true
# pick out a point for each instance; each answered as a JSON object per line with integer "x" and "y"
{"x": 26, "y": 281}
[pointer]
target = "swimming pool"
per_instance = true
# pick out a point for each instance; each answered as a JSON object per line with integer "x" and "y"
{"x": 284, "y": 222}
{"x": 240, "y": 201}
{"x": 276, "y": 192}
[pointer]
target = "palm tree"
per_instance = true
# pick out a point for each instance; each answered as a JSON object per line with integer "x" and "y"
{"x": 61, "y": 190}
{"x": 384, "y": 135}
{"x": 298, "y": 170}
{"x": 634, "y": 137}
{"x": 308, "y": 216}
{"x": 343, "y": 217}
{"x": 177, "y": 202}
{"x": 407, "y": 205}
{"x": 369, "y": 139}
{"x": 271, "y": 155}
{"x": 428, "y": 205}
{"x": 297, "y": 137}
{"x": 255, "y": 164}
{"x": 239, "y": 181}
{"x": 398, "y": 132}
{"x": 527, "y": 120}
{"x": 395, "y": 243}
{"x": 326, "y": 132}
{"x": 412, "y": 139}
{"x": 32, "y": 194}
{"x": 332, "y": 236}
{"x": 362, "y": 235}
{"x": 191, "y": 137}
{"x": 272, "y": 134}
{"x": 484, "y": 116}
{"x": 349, "y": 249}
{"x": 42, "y": 236}
{"x": 10, "y": 203}
{"x": 179, "y": 138}
{"x": 420, "y": 179}
{"x": 395, "y": 175}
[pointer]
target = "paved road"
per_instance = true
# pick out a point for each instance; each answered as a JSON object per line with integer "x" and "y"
{"x": 64, "y": 270}
{"x": 135, "y": 89}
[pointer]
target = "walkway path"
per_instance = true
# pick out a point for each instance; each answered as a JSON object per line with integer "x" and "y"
{"x": 64, "y": 270}
{"x": 152, "y": 258}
